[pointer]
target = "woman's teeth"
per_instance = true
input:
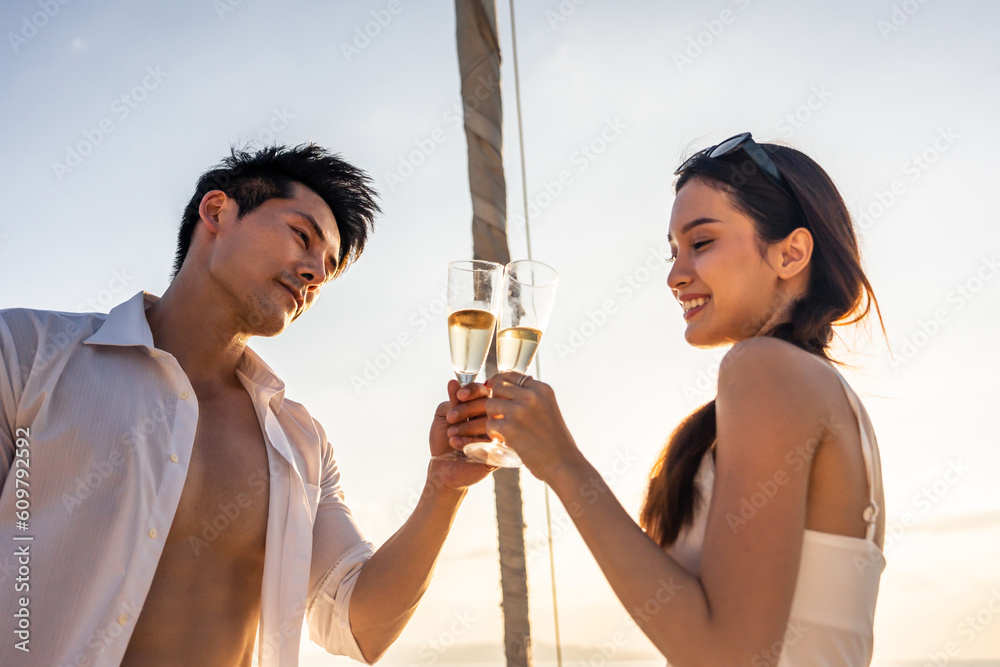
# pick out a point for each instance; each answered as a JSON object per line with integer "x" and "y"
{"x": 694, "y": 303}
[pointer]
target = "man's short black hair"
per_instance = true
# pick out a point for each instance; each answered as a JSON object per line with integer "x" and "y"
{"x": 253, "y": 177}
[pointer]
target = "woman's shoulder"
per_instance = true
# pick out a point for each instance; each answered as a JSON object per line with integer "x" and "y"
{"x": 776, "y": 369}
{"x": 772, "y": 398}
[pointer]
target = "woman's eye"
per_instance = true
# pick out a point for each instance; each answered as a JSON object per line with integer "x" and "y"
{"x": 700, "y": 244}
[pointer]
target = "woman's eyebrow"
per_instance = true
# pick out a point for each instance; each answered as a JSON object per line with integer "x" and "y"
{"x": 688, "y": 226}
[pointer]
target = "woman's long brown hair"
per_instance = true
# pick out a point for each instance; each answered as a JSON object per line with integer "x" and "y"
{"x": 838, "y": 293}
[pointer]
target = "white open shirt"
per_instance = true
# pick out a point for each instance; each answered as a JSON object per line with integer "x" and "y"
{"x": 111, "y": 423}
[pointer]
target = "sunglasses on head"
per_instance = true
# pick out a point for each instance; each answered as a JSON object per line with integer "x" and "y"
{"x": 745, "y": 142}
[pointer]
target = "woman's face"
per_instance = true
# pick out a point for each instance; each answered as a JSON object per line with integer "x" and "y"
{"x": 728, "y": 290}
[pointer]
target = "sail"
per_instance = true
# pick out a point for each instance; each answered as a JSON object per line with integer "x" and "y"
{"x": 479, "y": 65}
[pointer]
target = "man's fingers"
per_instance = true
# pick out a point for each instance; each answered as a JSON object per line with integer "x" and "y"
{"x": 472, "y": 391}
{"x": 442, "y": 409}
{"x": 472, "y": 427}
{"x": 467, "y": 410}
{"x": 460, "y": 441}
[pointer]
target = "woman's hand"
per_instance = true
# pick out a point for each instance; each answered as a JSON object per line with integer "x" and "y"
{"x": 527, "y": 418}
{"x": 464, "y": 411}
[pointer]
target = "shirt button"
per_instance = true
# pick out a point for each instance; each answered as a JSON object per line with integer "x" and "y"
{"x": 152, "y": 533}
{"x": 122, "y": 618}
{"x": 184, "y": 395}
{"x": 174, "y": 458}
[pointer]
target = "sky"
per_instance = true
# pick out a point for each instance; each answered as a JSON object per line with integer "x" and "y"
{"x": 111, "y": 111}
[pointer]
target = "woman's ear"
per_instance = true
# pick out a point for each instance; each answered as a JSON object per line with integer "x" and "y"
{"x": 791, "y": 255}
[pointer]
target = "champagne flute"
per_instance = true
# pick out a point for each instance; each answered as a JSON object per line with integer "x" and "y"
{"x": 473, "y": 302}
{"x": 529, "y": 292}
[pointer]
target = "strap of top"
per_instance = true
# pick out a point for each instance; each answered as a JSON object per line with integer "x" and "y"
{"x": 869, "y": 449}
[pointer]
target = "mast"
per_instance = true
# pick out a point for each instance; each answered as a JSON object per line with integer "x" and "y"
{"x": 479, "y": 65}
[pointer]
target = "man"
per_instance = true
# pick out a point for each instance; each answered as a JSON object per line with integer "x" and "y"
{"x": 161, "y": 497}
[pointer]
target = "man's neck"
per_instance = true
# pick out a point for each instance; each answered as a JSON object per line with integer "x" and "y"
{"x": 199, "y": 331}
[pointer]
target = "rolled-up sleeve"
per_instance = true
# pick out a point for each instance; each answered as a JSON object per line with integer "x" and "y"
{"x": 339, "y": 553}
{"x": 328, "y": 614}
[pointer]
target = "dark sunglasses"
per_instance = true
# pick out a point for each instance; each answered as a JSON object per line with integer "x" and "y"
{"x": 745, "y": 142}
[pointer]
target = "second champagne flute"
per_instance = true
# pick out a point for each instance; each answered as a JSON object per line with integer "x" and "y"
{"x": 528, "y": 295}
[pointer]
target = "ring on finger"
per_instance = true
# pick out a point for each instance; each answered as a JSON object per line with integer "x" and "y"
{"x": 522, "y": 380}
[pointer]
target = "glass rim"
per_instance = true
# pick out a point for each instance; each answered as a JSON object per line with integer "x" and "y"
{"x": 475, "y": 265}
{"x": 549, "y": 283}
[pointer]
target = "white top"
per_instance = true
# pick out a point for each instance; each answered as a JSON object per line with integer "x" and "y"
{"x": 104, "y": 425}
{"x": 833, "y": 609}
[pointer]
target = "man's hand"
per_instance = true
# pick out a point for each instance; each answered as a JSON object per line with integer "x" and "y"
{"x": 458, "y": 421}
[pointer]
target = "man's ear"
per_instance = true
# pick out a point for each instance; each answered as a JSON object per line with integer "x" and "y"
{"x": 214, "y": 208}
{"x": 791, "y": 255}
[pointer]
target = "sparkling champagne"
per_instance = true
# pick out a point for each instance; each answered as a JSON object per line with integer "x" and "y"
{"x": 469, "y": 333}
{"x": 516, "y": 348}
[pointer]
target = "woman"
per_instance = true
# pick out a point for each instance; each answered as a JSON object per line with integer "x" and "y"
{"x": 761, "y": 530}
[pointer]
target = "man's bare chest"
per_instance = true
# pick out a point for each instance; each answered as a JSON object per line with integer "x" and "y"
{"x": 224, "y": 505}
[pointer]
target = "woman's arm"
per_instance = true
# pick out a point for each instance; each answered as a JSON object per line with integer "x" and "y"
{"x": 770, "y": 407}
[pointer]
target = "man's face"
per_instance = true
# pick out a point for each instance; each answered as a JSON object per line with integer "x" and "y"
{"x": 274, "y": 260}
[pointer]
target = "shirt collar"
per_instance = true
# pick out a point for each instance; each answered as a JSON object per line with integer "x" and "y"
{"x": 126, "y": 325}
{"x": 269, "y": 386}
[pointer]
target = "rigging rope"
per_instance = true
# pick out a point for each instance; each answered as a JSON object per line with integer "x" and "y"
{"x": 538, "y": 368}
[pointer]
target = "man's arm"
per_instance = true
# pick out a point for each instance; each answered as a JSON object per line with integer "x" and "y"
{"x": 394, "y": 579}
